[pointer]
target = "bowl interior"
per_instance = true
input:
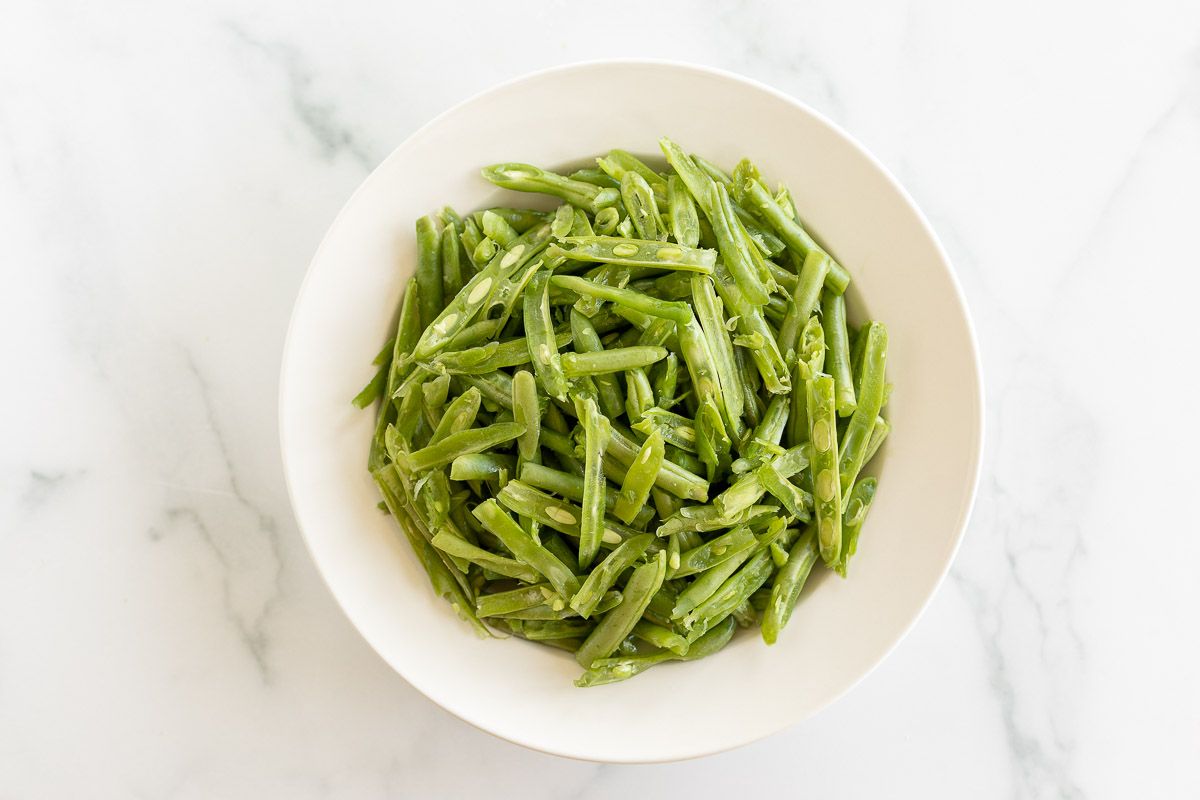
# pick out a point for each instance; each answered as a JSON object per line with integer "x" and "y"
{"x": 841, "y": 628}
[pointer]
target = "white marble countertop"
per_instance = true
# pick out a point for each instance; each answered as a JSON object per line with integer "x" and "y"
{"x": 166, "y": 171}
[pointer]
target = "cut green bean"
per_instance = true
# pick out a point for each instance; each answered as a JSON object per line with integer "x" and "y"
{"x": 526, "y": 413}
{"x": 528, "y": 178}
{"x": 596, "y": 430}
{"x": 476, "y": 440}
{"x": 858, "y": 432}
{"x": 862, "y": 494}
{"x": 685, "y": 223}
{"x": 619, "y": 622}
{"x": 822, "y": 421}
{"x": 526, "y": 549}
{"x": 429, "y": 270}
{"x": 636, "y": 253}
{"x": 759, "y": 200}
{"x": 639, "y": 202}
{"x": 837, "y": 359}
{"x": 639, "y": 479}
{"x": 605, "y": 574}
{"x": 539, "y": 336}
{"x": 618, "y": 359}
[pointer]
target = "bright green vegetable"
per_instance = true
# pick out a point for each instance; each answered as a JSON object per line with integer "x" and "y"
{"x": 596, "y": 431}
{"x": 565, "y": 389}
{"x": 639, "y": 479}
{"x": 618, "y": 623}
{"x": 837, "y": 358}
{"x": 827, "y": 495}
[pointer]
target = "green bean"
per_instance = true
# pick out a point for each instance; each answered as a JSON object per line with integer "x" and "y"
{"x": 480, "y": 466}
{"x": 822, "y": 418}
{"x": 475, "y": 334}
{"x": 858, "y": 432}
{"x": 526, "y": 413}
{"x": 639, "y": 201}
{"x": 547, "y": 630}
{"x": 528, "y": 178}
{"x": 444, "y": 582}
{"x": 859, "y": 503}
{"x": 674, "y": 479}
{"x": 795, "y": 500}
{"x": 451, "y": 265}
{"x": 496, "y": 228}
{"x": 666, "y": 382}
{"x": 714, "y": 552}
{"x": 476, "y": 440}
{"x": 606, "y": 221}
{"x": 492, "y": 356}
{"x": 539, "y": 333}
{"x": 809, "y": 362}
{"x": 370, "y": 393}
{"x": 459, "y": 415}
{"x": 523, "y": 500}
{"x": 769, "y": 431}
{"x": 694, "y": 178}
{"x": 736, "y": 590}
{"x": 675, "y": 430}
{"x": 710, "y": 518}
{"x": 833, "y": 315}
{"x": 629, "y": 252}
{"x": 639, "y": 396}
{"x": 485, "y": 251}
{"x": 713, "y": 444}
{"x": 472, "y": 237}
{"x": 804, "y": 299}
{"x": 673, "y": 311}
{"x": 605, "y": 574}
{"x": 733, "y": 249}
{"x": 766, "y": 242}
{"x": 618, "y": 359}
{"x": 480, "y": 291}
{"x": 611, "y": 670}
{"x": 556, "y": 545}
{"x": 619, "y": 622}
{"x": 435, "y": 392}
{"x": 660, "y": 637}
{"x": 596, "y": 430}
{"x": 497, "y": 603}
{"x": 526, "y": 549}
{"x": 878, "y": 434}
{"x": 712, "y": 170}
{"x": 749, "y": 488}
{"x": 685, "y": 223}
{"x": 639, "y": 479}
{"x": 564, "y": 220}
{"x": 618, "y": 163}
{"x": 788, "y": 584}
{"x": 429, "y": 270}
{"x": 720, "y": 347}
{"x": 608, "y": 387}
{"x": 751, "y": 322}
{"x": 751, "y": 385}
{"x": 521, "y": 219}
{"x": 759, "y": 200}
{"x": 511, "y": 568}
{"x": 595, "y": 177}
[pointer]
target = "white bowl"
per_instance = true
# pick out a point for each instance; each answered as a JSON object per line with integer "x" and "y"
{"x": 842, "y": 628}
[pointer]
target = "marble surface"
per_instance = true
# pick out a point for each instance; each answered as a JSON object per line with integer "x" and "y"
{"x": 166, "y": 171}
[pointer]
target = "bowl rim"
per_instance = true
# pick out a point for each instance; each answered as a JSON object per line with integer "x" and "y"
{"x": 976, "y": 444}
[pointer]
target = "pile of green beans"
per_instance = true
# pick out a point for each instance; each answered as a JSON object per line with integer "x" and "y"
{"x": 628, "y": 426}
